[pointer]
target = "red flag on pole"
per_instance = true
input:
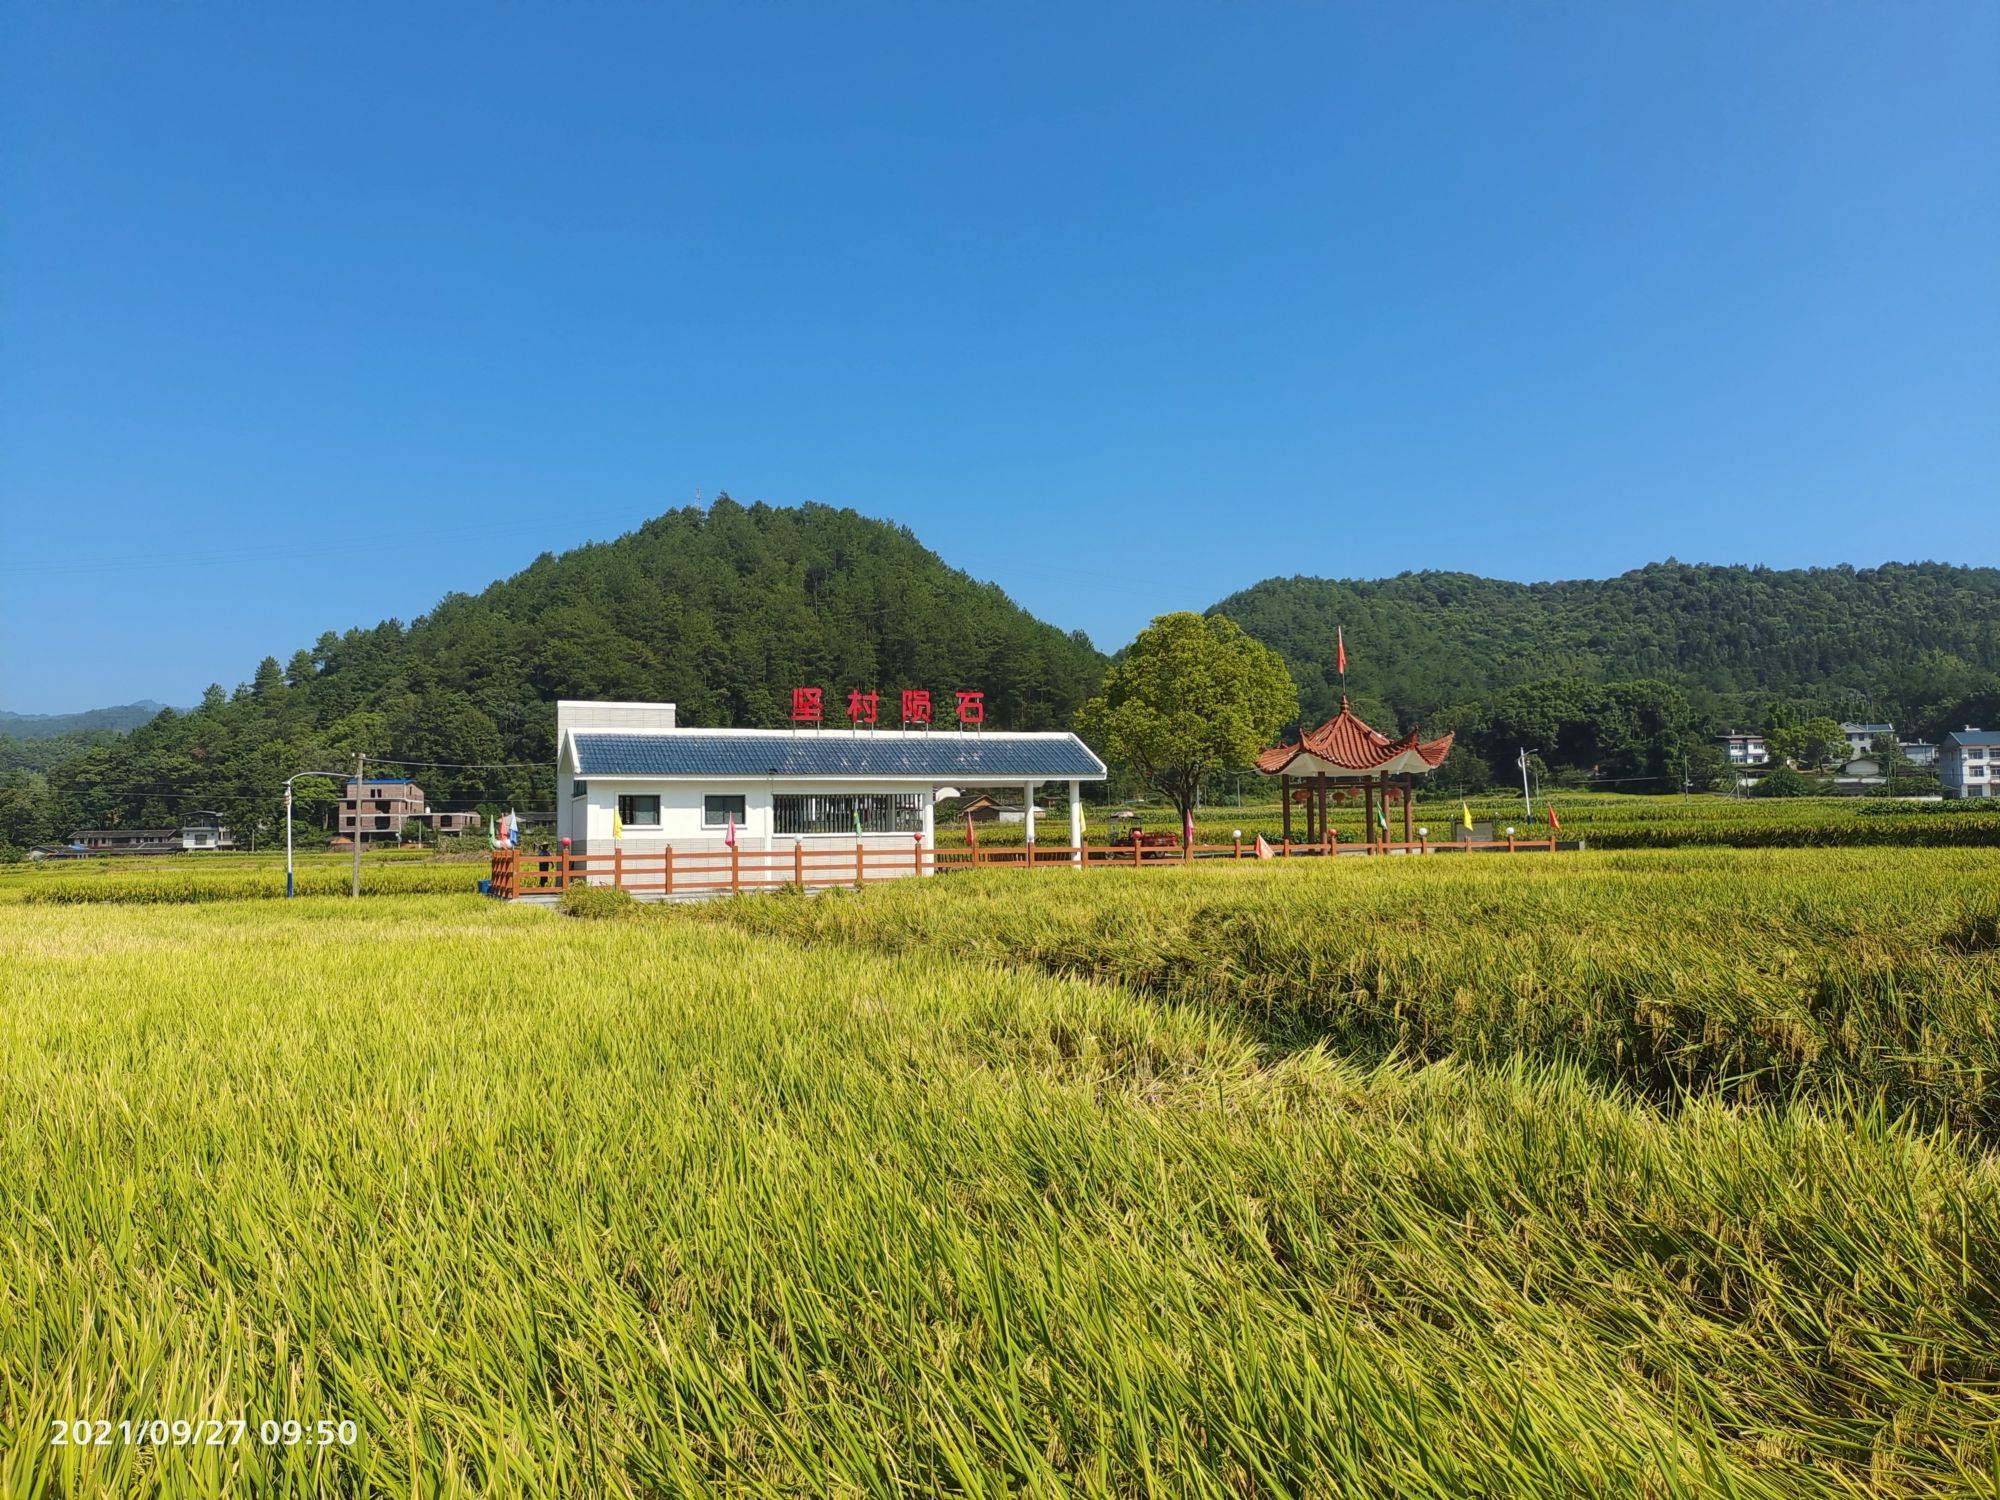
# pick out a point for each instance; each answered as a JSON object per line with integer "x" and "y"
{"x": 1340, "y": 650}
{"x": 1555, "y": 823}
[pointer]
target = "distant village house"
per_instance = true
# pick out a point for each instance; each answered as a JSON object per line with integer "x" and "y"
{"x": 1967, "y": 759}
{"x": 383, "y": 806}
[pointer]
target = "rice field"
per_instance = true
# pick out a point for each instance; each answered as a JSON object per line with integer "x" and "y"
{"x": 166, "y": 880}
{"x": 949, "y": 1187}
{"x": 1605, "y": 820}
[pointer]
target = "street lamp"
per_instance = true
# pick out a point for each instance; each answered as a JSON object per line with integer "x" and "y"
{"x": 331, "y": 776}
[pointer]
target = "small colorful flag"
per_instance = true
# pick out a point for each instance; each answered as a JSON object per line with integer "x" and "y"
{"x": 1263, "y": 847}
{"x": 1382, "y": 817}
{"x": 617, "y": 824}
{"x": 1465, "y": 815}
{"x": 1340, "y": 650}
{"x": 1555, "y": 823}
{"x": 729, "y": 835}
{"x": 1187, "y": 828}
{"x": 857, "y": 819}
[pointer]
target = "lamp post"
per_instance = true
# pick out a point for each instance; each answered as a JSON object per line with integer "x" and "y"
{"x": 331, "y": 776}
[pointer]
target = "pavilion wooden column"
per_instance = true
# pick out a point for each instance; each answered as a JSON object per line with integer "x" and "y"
{"x": 1321, "y": 792}
{"x": 1285, "y": 798}
{"x": 1368, "y": 809}
{"x": 1409, "y": 809}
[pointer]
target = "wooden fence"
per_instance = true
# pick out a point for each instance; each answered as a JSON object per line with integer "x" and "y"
{"x": 712, "y": 871}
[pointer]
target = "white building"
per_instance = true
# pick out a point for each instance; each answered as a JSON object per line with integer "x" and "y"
{"x": 1861, "y": 737}
{"x": 1744, "y": 749}
{"x": 1919, "y": 752}
{"x": 1967, "y": 761}
{"x": 627, "y": 767}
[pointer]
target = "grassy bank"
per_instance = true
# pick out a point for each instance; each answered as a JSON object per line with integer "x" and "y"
{"x": 559, "y": 1207}
{"x": 1749, "y": 973}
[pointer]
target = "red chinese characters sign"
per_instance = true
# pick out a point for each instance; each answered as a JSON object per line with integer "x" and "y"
{"x": 865, "y": 707}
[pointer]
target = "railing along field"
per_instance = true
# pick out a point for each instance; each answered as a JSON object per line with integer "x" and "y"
{"x": 672, "y": 872}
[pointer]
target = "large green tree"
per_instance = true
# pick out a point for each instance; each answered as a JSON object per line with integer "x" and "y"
{"x": 1194, "y": 695}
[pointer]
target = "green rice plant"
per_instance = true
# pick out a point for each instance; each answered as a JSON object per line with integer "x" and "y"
{"x": 1604, "y": 820}
{"x": 136, "y": 883}
{"x": 560, "y": 1208}
{"x": 1752, "y": 973}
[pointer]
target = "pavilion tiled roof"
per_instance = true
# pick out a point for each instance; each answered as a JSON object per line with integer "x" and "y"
{"x": 1346, "y": 741}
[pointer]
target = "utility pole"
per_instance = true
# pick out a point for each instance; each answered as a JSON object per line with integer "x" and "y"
{"x": 1527, "y": 802}
{"x": 360, "y": 761}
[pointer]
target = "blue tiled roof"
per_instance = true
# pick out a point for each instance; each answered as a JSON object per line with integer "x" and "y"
{"x": 941, "y": 756}
{"x": 1974, "y": 736}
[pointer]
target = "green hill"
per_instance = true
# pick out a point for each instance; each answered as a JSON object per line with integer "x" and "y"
{"x": 115, "y": 719}
{"x": 1910, "y": 642}
{"x": 720, "y": 610}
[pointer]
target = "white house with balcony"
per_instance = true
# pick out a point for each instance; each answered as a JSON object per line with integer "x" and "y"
{"x": 1967, "y": 762}
{"x": 1744, "y": 749}
{"x": 629, "y": 778}
{"x": 1861, "y": 738}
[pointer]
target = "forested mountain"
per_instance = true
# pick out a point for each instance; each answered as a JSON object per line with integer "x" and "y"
{"x": 92, "y": 720}
{"x": 721, "y": 611}
{"x": 1913, "y": 643}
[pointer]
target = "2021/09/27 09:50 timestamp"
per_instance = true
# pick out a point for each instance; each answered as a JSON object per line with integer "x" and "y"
{"x": 207, "y": 1432}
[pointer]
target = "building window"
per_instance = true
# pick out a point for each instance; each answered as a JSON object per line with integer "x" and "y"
{"x": 837, "y": 812}
{"x": 716, "y": 812}
{"x": 639, "y": 811}
{"x": 579, "y": 789}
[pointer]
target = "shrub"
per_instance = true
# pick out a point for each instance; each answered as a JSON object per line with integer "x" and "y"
{"x": 597, "y": 902}
{"x": 1785, "y": 782}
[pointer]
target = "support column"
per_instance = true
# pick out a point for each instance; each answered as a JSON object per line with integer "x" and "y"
{"x": 930, "y": 825}
{"x": 1368, "y": 810}
{"x": 1321, "y": 795}
{"x": 1285, "y": 802}
{"x": 1028, "y": 816}
{"x": 1076, "y": 820}
{"x": 1409, "y": 807}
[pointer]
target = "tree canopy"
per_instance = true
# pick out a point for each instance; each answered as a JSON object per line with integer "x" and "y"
{"x": 1906, "y": 642}
{"x": 1192, "y": 696}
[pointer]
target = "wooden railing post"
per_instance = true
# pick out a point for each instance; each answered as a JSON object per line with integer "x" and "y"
{"x": 1239, "y": 845}
{"x": 562, "y": 878}
{"x": 1138, "y": 855}
{"x": 735, "y": 868}
{"x": 618, "y": 867}
{"x": 799, "y": 863}
{"x": 916, "y": 854}
{"x": 860, "y": 863}
{"x": 1510, "y": 841}
{"x": 667, "y": 870}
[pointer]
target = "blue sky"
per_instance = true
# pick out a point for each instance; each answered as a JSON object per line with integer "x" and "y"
{"x": 1123, "y": 308}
